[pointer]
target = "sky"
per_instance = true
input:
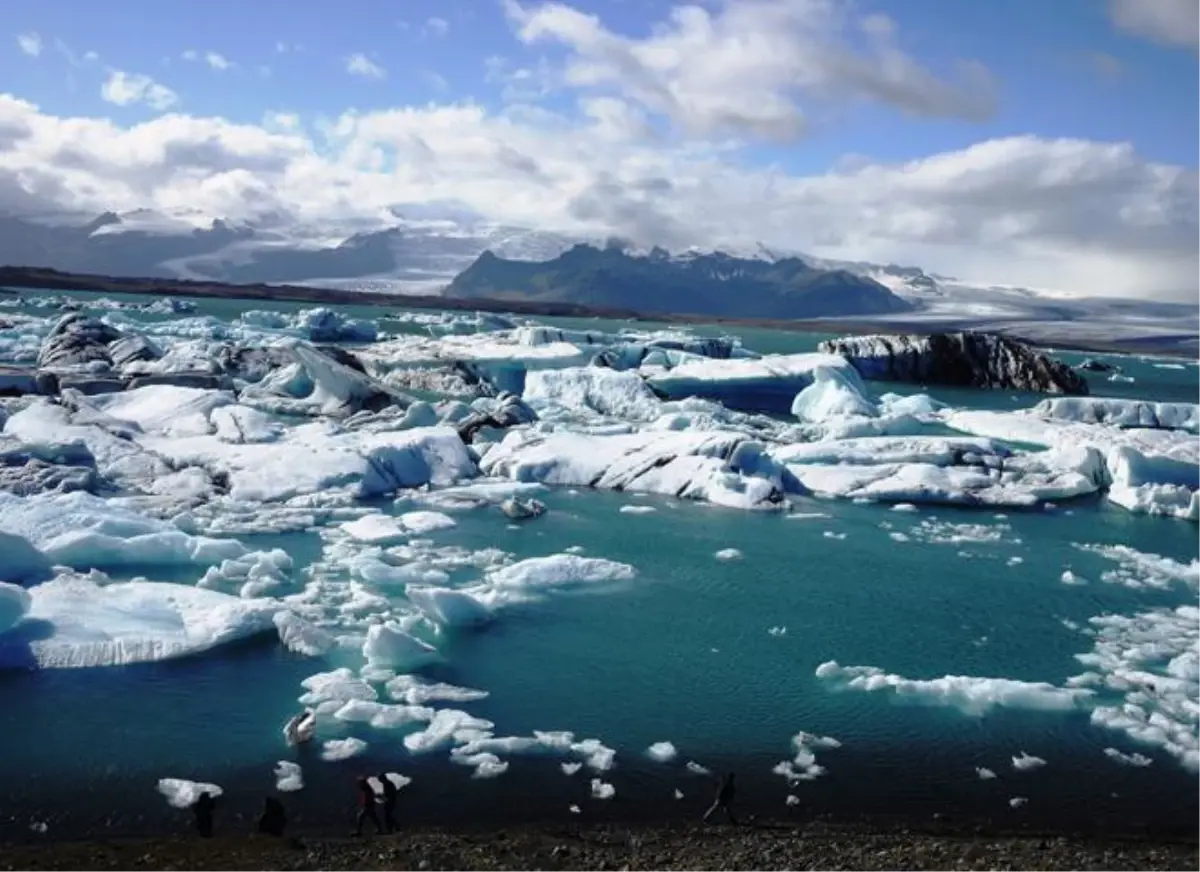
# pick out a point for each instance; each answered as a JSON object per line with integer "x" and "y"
{"x": 1042, "y": 144}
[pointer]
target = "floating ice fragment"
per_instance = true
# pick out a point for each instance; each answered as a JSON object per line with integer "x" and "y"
{"x": 573, "y": 809}
{"x": 602, "y": 789}
{"x": 908, "y": 507}
{"x": 389, "y": 645}
{"x": 302, "y": 637}
{"x": 791, "y": 800}
{"x": 1134, "y": 759}
{"x": 678, "y": 793}
{"x": 1026, "y": 762}
{"x": 181, "y": 793}
{"x": 637, "y": 510}
{"x": 415, "y": 691}
{"x": 1018, "y": 801}
{"x": 342, "y": 749}
{"x": 971, "y": 695}
{"x": 830, "y": 534}
{"x": 662, "y": 752}
{"x": 288, "y": 776}
{"x": 984, "y": 773}
{"x": 376, "y": 530}
{"x": 778, "y": 631}
{"x": 1069, "y": 577}
{"x": 423, "y": 522}
{"x": 570, "y": 768}
{"x": 728, "y": 554}
{"x": 696, "y": 769}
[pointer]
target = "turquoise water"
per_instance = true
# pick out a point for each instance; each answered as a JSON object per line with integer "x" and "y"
{"x": 682, "y": 653}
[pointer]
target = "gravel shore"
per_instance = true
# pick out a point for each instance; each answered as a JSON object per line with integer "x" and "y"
{"x": 755, "y": 846}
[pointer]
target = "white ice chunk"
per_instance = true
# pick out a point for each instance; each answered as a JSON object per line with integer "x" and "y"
{"x": 984, "y": 773}
{"x": 447, "y": 607}
{"x": 727, "y": 554}
{"x": 389, "y": 645}
{"x": 442, "y": 729}
{"x": 529, "y": 578}
{"x": 15, "y": 602}
{"x": 342, "y": 749}
{"x": 81, "y": 623}
{"x": 20, "y": 561}
{"x": 376, "y": 529}
{"x": 1118, "y": 412}
{"x": 602, "y": 789}
{"x": 1135, "y": 759}
{"x": 423, "y": 523}
{"x": 1027, "y": 762}
{"x": 662, "y": 752}
{"x": 300, "y": 636}
{"x": 339, "y": 686}
{"x": 832, "y": 394}
{"x": 181, "y": 793}
{"x": 416, "y": 691}
{"x": 969, "y": 694}
{"x": 598, "y": 390}
{"x": 288, "y": 777}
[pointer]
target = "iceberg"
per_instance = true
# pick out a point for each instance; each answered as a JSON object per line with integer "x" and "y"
{"x": 592, "y": 390}
{"x": 74, "y": 622}
{"x": 718, "y": 467}
{"x": 447, "y": 607}
{"x": 767, "y": 383}
{"x": 15, "y": 603}
{"x": 831, "y": 395}
{"x": 389, "y": 645}
{"x": 969, "y": 694}
{"x": 1121, "y": 412}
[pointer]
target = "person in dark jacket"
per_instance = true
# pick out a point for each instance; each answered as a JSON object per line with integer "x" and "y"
{"x": 273, "y": 819}
{"x": 724, "y": 800}
{"x": 366, "y": 807}
{"x": 390, "y": 794}
{"x": 202, "y": 808}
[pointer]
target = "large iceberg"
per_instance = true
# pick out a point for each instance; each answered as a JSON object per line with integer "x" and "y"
{"x": 767, "y": 383}
{"x": 831, "y": 395}
{"x": 1121, "y": 412}
{"x": 722, "y": 468}
{"x": 73, "y": 621}
{"x": 596, "y": 390}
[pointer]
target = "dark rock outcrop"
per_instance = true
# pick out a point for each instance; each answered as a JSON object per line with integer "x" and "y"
{"x": 969, "y": 360}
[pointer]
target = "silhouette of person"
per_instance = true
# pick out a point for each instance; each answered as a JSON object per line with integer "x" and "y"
{"x": 366, "y": 807}
{"x": 390, "y": 794}
{"x": 273, "y": 819}
{"x": 724, "y": 800}
{"x": 202, "y": 808}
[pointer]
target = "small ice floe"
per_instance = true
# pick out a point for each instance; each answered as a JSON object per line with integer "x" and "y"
{"x": 899, "y": 537}
{"x": 573, "y": 809}
{"x": 1018, "y": 801}
{"x": 570, "y": 768}
{"x": 904, "y": 507}
{"x": 1134, "y": 759}
{"x": 806, "y": 516}
{"x": 803, "y": 767}
{"x": 181, "y": 793}
{"x": 1015, "y": 561}
{"x": 1027, "y": 762}
{"x": 778, "y": 631}
{"x": 288, "y": 777}
{"x": 574, "y": 549}
{"x": 602, "y": 789}
{"x": 830, "y": 534}
{"x": 39, "y": 826}
{"x": 696, "y": 769}
{"x": 662, "y": 752}
{"x": 1069, "y": 577}
{"x": 518, "y": 509}
{"x": 728, "y": 554}
{"x": 792, "y": 800}
{"x": 342, "y": 749}
{"x": 984, "y": 773}
{"x": 300, "y": 728}
{"x": 1123, "y": 379}
{"x": 637, "y": 510}
{"x": 678, "y": 793}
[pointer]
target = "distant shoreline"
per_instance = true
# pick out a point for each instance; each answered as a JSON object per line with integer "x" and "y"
{"x": 40, "y": 279}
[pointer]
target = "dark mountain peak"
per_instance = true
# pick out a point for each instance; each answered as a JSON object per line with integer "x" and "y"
{"x": 698, "y": 283}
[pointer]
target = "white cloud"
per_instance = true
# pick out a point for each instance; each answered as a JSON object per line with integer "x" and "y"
{"x": 1171, "y": 22}
{"x": 360, "y": 65}
{"x": 745, "y": 68}
{"x": 437, "y": 26}
{"x": 215, "y": 60}
{"x": 125, "y": 89}
{"x": 1068, "y": 214}
{"x": 30, "y": 44}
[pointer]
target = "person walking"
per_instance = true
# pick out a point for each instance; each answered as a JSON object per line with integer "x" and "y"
{"x": 366, "y": 807}
{"x": 273, "y": 819}
{"x": 202, "y": 808}
{"x": 390, "y": 794}
{"x": 724, "y": 800}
